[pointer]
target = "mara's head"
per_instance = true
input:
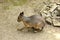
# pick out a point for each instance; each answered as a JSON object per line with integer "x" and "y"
{"x": 20, "y": 16}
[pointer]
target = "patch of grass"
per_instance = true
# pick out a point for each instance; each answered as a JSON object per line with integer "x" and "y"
{"x": 6, "y": 7}
{"x": 13, "y": 2}
{"x": 16, "y": 2}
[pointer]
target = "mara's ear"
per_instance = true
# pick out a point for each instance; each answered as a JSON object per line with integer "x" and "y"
{"x": 22, "y": 13}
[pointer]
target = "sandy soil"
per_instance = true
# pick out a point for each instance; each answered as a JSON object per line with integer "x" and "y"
{"x": 9, "y": 25}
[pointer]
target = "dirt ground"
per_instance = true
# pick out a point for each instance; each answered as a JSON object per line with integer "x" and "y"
{"x": 9, "y": 25}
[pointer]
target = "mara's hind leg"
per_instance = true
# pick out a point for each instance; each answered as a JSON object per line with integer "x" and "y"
{"x": 41, "y": 29}
{"x": 42, "y": 26}
{"x": 35, "y": 30}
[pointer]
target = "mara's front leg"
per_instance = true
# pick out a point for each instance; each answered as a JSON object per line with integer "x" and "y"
{"x": 24, "y": 29}
{"x": 21, "y": 29}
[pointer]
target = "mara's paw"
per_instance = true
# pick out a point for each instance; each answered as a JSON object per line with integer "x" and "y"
{"x": 19, "y": 30}
{"x": 35, "y": 31}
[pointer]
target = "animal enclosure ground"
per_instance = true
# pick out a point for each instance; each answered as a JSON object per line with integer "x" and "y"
{"x": 9, "y": 25}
